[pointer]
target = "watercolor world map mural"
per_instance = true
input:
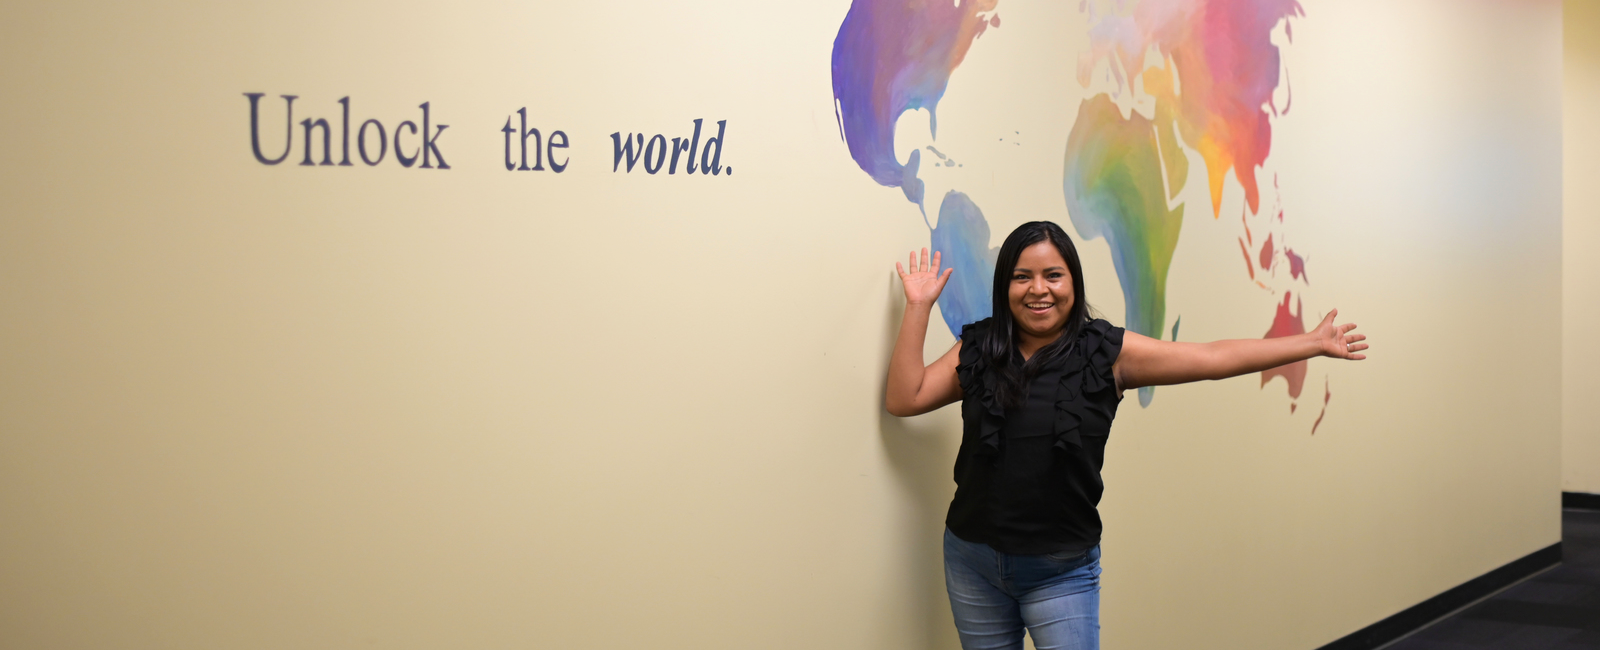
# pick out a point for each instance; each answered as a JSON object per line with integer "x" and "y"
{"x": 1211, "y": 71}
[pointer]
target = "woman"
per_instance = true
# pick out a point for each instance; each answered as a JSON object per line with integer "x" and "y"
{"x": 1039, "y": 382}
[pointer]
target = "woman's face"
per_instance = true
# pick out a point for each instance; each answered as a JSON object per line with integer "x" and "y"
{"x": 1041, "y": 291}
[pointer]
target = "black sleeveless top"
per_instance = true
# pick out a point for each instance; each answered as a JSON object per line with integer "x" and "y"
{"x": 1028, "y": 478}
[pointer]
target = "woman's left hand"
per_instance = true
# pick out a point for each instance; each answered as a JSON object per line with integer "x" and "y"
{"x": 1337, "y": 341}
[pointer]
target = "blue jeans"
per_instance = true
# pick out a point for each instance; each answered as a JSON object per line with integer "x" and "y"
{"x": 995, "y": 595}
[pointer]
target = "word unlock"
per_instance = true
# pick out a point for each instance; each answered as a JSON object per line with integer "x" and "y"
{"x": 372, "y": 139}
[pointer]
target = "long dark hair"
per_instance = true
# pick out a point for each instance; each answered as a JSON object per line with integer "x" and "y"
{"x": 998, "y": 344}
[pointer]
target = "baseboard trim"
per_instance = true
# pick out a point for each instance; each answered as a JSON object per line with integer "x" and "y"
{"x": 1432, "y": 609}
{"x": 1580, "y": 500}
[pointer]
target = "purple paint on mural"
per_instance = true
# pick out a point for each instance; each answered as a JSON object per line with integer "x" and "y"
{"x": 893, "y": 56}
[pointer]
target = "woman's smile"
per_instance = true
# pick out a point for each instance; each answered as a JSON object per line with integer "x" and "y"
{"x": 1041, "y": 293}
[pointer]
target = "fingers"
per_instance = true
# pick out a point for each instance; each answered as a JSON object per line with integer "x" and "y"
{"x": 899, "y": 269}
{"x": 1352, "y": 343}
{"x": 1353, "y": 346}
{"x": 945, "y": 277}
{"x": 921, "y": 264}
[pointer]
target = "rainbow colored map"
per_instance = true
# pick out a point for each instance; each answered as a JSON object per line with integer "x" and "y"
{"x": 1213, "y": 94}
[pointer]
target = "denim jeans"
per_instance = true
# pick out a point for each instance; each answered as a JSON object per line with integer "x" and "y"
{"x": 995, "y": 595}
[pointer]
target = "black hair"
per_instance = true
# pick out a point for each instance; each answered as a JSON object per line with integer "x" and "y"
{"x": 998, "y": 344}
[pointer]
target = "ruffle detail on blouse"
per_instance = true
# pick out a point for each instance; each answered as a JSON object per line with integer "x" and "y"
{"x": 973, "y": 374}
{"x": 1088, "y": 372}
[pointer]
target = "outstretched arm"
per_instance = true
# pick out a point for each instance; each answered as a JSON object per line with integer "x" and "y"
{"x": 913, "y": 389}
{"x": 1152, "y": 362}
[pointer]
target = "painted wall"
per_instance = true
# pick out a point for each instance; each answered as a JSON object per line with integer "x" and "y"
{"x": 1580, "y": 272}
{"x": 266, "y": 406}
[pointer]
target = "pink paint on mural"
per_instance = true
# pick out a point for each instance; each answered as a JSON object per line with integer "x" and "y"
{"x": 1327, "y": 396}
{"x": 1287, "y": 323}
{"x": 1297, "y": 266}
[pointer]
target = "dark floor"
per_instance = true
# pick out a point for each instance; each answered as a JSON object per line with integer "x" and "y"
{"x": 1556, "y": 610}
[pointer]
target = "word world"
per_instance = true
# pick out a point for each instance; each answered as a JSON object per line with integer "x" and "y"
{"x": 654, "y": 152}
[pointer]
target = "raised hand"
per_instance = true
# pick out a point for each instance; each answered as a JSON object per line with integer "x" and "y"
{"x": 923, "y": 282}
{"x": 1337, "y": 341}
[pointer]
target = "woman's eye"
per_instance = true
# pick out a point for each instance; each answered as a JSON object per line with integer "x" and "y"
{"x": 1019, "y": 277}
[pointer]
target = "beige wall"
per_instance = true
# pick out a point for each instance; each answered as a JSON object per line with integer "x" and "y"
{"x": 1580, "y": 270}
{"x": 265, "y": 407}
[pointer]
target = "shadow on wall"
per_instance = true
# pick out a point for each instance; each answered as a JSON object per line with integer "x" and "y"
{"x": 920, "y": 457}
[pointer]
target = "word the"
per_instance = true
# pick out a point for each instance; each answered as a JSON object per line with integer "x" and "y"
{"x": 654, "y": 153}
{"x": 428, "y": 150}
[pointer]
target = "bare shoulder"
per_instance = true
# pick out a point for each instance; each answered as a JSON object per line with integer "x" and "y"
{"x": 1136, "y": 348}
{"x": 1135, "y": 344}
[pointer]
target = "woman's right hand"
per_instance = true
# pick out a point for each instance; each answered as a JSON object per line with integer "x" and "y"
{"x": 923, "y": 282}
{"x": 913, "y": 388}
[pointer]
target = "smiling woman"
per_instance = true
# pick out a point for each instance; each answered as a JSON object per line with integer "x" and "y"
{"x": 1039, "y": 381}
